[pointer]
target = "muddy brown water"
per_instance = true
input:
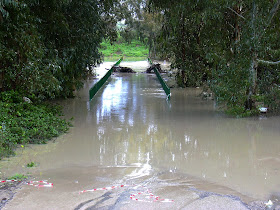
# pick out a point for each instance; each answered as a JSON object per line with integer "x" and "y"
{"x": 130, "y": 135}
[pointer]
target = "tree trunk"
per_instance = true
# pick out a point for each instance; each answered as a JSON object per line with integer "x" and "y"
{"x": 253, "y": 82}
{"x": 254, "y": 62}
{"x": 183, "y": 51}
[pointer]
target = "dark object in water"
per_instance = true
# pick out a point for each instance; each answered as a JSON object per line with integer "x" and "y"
{"x": 123, "y": 69}
{"x": 151, "y": 68}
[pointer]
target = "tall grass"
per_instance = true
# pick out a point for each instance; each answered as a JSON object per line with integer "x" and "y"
{"x": 133, "y": 51}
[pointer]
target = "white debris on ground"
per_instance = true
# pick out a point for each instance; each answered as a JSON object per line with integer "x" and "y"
{"x": 263, "y": 109}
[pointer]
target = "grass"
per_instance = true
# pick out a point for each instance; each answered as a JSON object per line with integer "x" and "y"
{"x": 115, "y": 58}
{"x": 134, "y": 51}
{"x": 18, "y": 177}
{"x": 30, "y": 165}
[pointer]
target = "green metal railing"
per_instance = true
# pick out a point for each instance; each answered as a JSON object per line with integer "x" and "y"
{"x": 163, "y": 84}
{"x": 101, "y": 82}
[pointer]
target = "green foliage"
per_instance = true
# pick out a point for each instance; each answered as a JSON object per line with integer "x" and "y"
{"x": 227, "y": 44}
{"x": 123, "y": 49}
{"x": 269, "y": 75}
{"x": 141, "y": 25}
{"x": 49, "y": 47}
{"x": 22, "y": 122}
{"x": 239, "y": 112}
{"x": 3, "y": 3}
{"x": 19, "y": 177}
{"x": 183, "y": 27}
{"x": 30, "y": 165}
{"x": 21, "y": 53}
{"x": 230, "y": 85}
{"x": 272, "y": 99}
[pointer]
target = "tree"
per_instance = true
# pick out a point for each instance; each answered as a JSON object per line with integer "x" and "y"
{"x": 253, "y": 21}
{"x": 21, "y": 51}
{"x": 48, "y": 47}
{"x": 225, "y": 42}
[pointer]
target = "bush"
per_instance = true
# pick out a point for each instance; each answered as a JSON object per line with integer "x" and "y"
{"x": 272, "y": 99}
{"x": 22, "y": 122}
{"x": 238, "y": 111}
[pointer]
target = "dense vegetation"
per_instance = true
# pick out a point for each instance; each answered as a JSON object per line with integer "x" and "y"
{"x": 47, "y": 48}
{"x": 232, "y": 47}
{"x": 22, "y": 122}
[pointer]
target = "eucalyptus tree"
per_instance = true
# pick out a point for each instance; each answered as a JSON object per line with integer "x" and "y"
{"x": 49, "y": 46}
{"x": 255, "y": 28}
{"x": 182, "y": 24}
{"x": 229, "y": 43}
{"x": 140, "y": 24}
{"x": 72, "y": 33}
{"x": 133, "y": 20}
{"x": 21, "y": 48}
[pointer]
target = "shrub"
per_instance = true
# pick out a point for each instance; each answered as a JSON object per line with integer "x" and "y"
{"x": 22, "y": 122}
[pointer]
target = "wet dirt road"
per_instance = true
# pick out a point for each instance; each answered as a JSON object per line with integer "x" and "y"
{"x": 168, "y": 155}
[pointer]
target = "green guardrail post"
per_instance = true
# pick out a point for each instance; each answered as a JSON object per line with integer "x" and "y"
{"x": 101, "y": 82}
{"x": 162, "y": 82}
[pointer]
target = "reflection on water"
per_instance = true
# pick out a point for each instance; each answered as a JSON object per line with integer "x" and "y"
{"x": 130, "y": 124}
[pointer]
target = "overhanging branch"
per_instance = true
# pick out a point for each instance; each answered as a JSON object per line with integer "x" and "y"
{"x": 273, "y": 11}
{"x": 236, "y": 13}
{"x": 269, "y": 62}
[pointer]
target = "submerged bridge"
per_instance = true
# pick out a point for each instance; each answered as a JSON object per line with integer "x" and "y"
{"x": 101, "y": 82}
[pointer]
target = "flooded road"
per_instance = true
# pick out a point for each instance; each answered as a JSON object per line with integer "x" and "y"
{"x": 180, "y": 150}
